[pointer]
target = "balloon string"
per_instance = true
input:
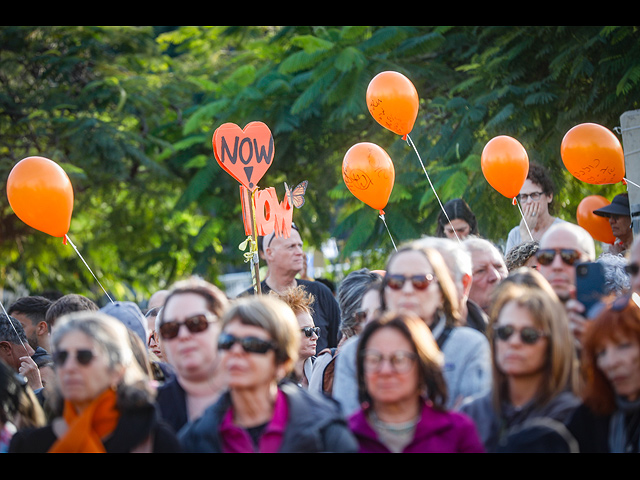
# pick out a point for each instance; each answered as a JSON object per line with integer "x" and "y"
{"x": 88, "y": 268}
{"x": 632, "y": 183}
{"x": 525, "y": 222}
{"x": 14, "y": 328}
{"x": 432, "y": 187}
{"x": 388, "y": 231}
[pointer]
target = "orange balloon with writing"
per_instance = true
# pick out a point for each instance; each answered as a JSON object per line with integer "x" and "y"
{"x": 598, "y": 227}
{"x": 393, "y": 101}
{"x": 593, "y": 154}
{"x": 505, "y": 165}
{"x": 41, "y": 195}
{"x": 369, "y": 174}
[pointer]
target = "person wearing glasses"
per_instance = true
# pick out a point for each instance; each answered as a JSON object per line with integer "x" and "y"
{"x": 418, "y": 280}
{"x": 619, "y": 215}
{"x": 403, "y": 392}
{"x": 536, "y": 201}
{"x": 301, "y": 303}
{"x": 561, "y": 248}
{"x": 285, "y": 259}
{"x": 535, "y": 370}
{"x": 608, "y": 420}
{"x": 189, "y": 327}
{"x": 104, "y": 402}
{"x": 261, "y": 410}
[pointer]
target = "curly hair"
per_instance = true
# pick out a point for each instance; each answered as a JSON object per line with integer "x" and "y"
{"x": 538, "y": 175}
{"x": 297, "y": 298}
{"x": 518, "y": 255}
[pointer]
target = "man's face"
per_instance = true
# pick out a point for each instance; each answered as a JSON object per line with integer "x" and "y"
{"x": 285, "y": 254}
{"x": 488, "y": 270}
{"x": 560, "y": 274}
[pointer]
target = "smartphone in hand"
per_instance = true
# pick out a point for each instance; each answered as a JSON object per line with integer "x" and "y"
{"x": 590, "y": 284}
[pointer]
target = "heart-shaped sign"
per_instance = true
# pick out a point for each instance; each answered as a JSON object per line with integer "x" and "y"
{"x": 245, "y": 154}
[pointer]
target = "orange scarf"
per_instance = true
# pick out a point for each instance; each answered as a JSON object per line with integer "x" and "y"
{"x": 86, "y": 430}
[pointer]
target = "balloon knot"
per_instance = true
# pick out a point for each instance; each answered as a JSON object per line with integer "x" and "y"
{"x": 404, "y": 137}
{"x": 513, "y": 202}
{"x": 382, "y": 212}
{"x": 624, "y": 181}
{"x": 64, "y": 240}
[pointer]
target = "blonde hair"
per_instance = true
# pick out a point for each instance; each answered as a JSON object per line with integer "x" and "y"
{"x": 560, "y": 370}
{"x": 275, "y": 317}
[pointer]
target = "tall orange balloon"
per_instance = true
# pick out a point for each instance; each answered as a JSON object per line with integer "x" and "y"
{"x": 598, "y": 227}
{"x": 593, "y": 154}
{"x": 393, "y": 102}
{"x": 505, "y": 165}
{"x": 41, "y": 195}
{"x": 369, "y": 174}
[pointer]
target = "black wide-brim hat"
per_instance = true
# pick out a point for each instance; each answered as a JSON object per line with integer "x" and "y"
{"x": 618, "y": 206}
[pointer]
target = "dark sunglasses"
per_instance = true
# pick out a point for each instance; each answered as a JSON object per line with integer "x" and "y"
{"x": 528, "y": 335}
{"x": 632, "y": 269}
{"x": 419, "y": 282}
{"x": 83, "y": 357}
{"x": 568, "y": 255}
{"x": 195, "y": 324}
{"x": 248, "y": 344}
{"x": 309, "y": 331}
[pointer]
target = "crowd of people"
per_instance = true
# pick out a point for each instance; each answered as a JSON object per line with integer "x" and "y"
{"x": 454, "y": 347}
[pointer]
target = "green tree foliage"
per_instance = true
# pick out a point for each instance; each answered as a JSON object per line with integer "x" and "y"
{"x": 129, "y": 112}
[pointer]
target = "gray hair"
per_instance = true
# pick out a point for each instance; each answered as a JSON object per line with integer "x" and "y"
{"x": 456, "y": 255}
{"x": 350, "y": 293}
{"x": 616, "y": 279}
{"x": 108, "y": 334}
{"x": 11, "y": 330}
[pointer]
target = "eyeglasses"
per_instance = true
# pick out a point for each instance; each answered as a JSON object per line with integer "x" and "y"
{"x": 195, "y": 324}
{"x": 400, "y": 361}
{"x": 248, "y": 344}
{"x": 569, "y": 256}
{"x": 309, "y": 331}
{"x": 419, "y": 282}
{"x": 528, "y": 335}
{"x": 632, "y": 269}
{"x": 83, "y": 357}
{"x": 524, "y": 197}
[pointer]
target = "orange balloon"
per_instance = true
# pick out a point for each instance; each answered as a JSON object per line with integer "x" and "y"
{"x": 598, "y": 227}
{"x": 593, "y": 154}
{"x": 41, "y": 195}
{"x": 369, "y": 174}
{"x": 505, "y": 165}
{"x": 393, "y": 102}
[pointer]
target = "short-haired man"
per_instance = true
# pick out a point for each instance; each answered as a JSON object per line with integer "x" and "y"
{"x": 285, "y": 259}
{"x": 562, "y": 247}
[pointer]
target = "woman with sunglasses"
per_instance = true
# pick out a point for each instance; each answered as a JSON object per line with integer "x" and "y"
{"x": 418, "y": 280}
{"x": 536, "y": 199}
{"x": 188, "y": 328}
{"x": 403, "y": 392}
{"x": 300, "y": 302}
{"x": 262, "y": 411}
{"x": 608, "y": 421}
{"x": 534, "y": 369}
{"x": 103, "y": 402}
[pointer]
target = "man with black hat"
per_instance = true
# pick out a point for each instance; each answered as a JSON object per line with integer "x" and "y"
{"x": 619, "y": 216}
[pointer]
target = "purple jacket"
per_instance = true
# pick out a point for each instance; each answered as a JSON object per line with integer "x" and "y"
{"x": 436, "y": 432}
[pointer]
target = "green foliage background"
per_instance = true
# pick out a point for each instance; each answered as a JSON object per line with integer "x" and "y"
{"x": 129, "y": 113}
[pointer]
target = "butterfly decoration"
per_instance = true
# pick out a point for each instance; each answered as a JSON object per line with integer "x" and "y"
{"x": 296, "y": 196}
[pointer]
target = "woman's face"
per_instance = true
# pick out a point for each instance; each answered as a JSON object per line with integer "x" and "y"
{"x": 307, "y": 344}
{"x": 515, "y": 357}
{"x": 533, "y": 193}
{"x": 619, "y": 360}
{"x": 247, "y": 370}
{"x": 81, "y": 384}
{"x": 390, "y": 368}
{"x": 423, "y": 302}
{"x": 462, "y": 229}
{"x": 193, "y": 355}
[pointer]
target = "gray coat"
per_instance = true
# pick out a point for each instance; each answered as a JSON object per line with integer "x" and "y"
{"x": 315, "y": 424}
